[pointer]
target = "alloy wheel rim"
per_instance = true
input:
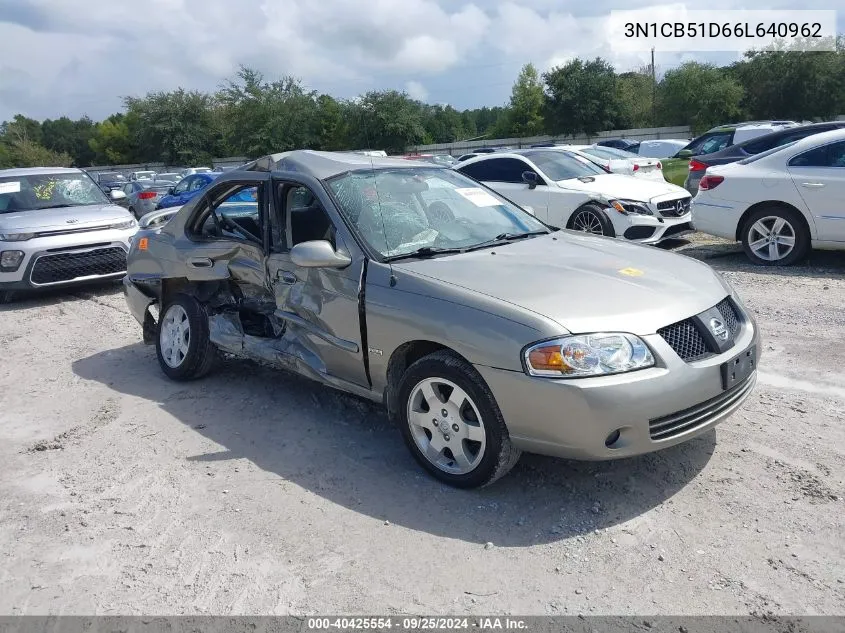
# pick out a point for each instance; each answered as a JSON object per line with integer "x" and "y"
{"x": 588, "y": 222}
{"x": 175, "y": 336}
{"x": 446, "y": 426}
{"x": 771, "y": 238}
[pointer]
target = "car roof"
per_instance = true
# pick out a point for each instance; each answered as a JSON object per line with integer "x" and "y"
{"x": 819, "y": 139}
{"x": 322, "y": 165}
{"x": 34, "y": 171}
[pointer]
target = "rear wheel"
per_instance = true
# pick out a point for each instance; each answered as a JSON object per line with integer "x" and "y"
{"x": 452, "y": 424}
{"x": 182, "y": 343}
{"x": 775, "y": 236}
{"x": 591, "y": 218}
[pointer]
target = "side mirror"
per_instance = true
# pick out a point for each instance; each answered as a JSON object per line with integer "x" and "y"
{"x": 171, "y": 191}
{"x": 684, "y": 153}
{"x": 117, "y": 194}
{"x": 530, "y": 178}
{"x": 318, "y": 254}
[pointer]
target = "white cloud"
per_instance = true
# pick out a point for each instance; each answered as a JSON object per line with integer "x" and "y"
{"x": 416, "y": 90}
{"x": 76, "y": 56}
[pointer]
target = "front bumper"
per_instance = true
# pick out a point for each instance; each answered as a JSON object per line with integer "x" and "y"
{"x": 646, "y": 229}
{"x": 65, "y": 250}
{"x": 573, "y": 418}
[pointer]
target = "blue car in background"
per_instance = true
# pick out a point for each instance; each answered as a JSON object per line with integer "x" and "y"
{"x": 186, "y": 189}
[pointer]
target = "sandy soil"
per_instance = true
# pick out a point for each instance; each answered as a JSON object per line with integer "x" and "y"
{"x": 257, "y": 492}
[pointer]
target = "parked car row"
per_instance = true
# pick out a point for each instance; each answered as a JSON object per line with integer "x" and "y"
{"x": 431, "y": 288}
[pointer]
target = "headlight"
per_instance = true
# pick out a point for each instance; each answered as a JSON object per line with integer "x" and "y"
{"x": 10, "y": 261}
{"x": 630, "y": 206}
{"x": 588, "y": 355}
{"x": 129, "y": 224}
{"x": 16, "y": 237}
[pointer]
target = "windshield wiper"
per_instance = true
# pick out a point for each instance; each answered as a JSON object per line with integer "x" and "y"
{"x": 425, "y": 251}
{"x": 504, "y": 238}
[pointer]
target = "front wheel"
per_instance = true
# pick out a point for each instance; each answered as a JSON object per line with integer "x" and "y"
{"x": 452, "y": 424}
{"x": 591, "y": 218}
{"x": 183, "y": 347}
{"x": 775, "y": 236}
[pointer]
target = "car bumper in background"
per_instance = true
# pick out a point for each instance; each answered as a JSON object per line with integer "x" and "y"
{"x": 646, "y": 229}
{"x": 715, "y": 217}
{"x": 650, "y": 409}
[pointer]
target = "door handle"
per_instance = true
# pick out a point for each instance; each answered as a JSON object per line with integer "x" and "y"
{"x": 812, "y": 185}
{"x": 200, "y": 262}
{"x": 286, "y": 277}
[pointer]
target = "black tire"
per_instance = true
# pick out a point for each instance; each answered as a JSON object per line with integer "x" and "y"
{"x": 6, "y": 296}
{"x": 795, "y": 226}
{"x": 593, "y": 215}
{"x": 201, "y": 353}
{"x": 499, "y": 455}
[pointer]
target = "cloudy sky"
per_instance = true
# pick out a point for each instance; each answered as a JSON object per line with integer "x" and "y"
{"x": 79, "y": 57}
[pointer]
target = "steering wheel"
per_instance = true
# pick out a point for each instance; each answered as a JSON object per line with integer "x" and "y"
{"x": 439, "y": 213}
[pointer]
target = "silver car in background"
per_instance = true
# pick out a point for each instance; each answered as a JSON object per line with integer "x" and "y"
{"x": 142, "y": 196}
{"x": 58, "y": 228}
{"x": 482, "y": 330}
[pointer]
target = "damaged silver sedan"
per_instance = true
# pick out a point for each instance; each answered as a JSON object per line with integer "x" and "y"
{"x": 483, "y": 331}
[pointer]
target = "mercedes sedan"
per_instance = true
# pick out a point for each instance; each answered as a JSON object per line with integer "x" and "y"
{"x": 483, "y": 331}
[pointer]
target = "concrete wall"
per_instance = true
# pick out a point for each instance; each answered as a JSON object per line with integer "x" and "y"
{"x": 643, "y": 134}
{"x": 216, "y": 163}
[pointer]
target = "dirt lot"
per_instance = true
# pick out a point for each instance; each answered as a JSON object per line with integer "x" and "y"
{"x": 257, "y": 492}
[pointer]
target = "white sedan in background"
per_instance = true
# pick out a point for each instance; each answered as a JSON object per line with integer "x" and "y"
{"x": 779, "y": 203}
{"x": 569, "y": 191}
{"x": 619, "y": 161}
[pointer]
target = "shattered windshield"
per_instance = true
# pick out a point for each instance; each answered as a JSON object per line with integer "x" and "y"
{"x": 48, "y": 191}
{"x": 400, "y": 211}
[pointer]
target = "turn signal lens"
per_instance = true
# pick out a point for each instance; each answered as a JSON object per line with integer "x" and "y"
{"x": 546, "y": 358}
{"x": 143, "y": 243}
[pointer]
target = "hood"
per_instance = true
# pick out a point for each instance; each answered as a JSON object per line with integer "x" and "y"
{"x": 63, "y": 218}
{"x": 610, "y": 186}
{"x": 584, "y": 283}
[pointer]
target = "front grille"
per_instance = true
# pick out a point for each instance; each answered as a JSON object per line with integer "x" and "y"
{"x": 674, "y": 208}
{"x": 62, "y": 267}
{"x": 728, "y": 312}
{"x": 685, "y": 339}
{"x": 668, "y": 426}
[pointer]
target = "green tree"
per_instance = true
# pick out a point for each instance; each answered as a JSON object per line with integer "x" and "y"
{"x": 580, "y": 97}
{"x": 784, "y": 83}
{"x": 699, "y": 95}
{"x": 332, "y": 129}
{"x": 70, "y": 137}
{"x": 524, "y": 116}
{"x": 18, "y": 149}
{"x": 443, "y": 124}
{"x": 263, "y": 118}
{"x": 634, "y": 96}
{"x": 175, "y": 127}
{"x": 387, "y": 120}
{"x": 112, "y": 143}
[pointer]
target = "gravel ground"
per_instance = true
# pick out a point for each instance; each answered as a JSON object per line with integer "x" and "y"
{"x": 256, "y": 492}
